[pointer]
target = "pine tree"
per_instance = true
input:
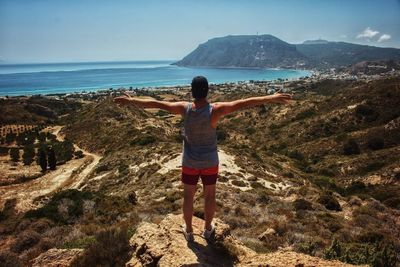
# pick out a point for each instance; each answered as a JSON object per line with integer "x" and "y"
{"x": 29, "y": 154}
{"x": 43, "y": 159}
{"x": 52, "y": 159}
{"x": 14, "y": 154}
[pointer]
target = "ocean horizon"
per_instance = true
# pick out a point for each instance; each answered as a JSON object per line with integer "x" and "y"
{"x": 59, "y": 78}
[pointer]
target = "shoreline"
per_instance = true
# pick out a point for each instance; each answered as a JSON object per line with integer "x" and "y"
{"x": 92, "y": 90}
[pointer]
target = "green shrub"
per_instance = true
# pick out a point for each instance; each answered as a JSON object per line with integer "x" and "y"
{"x": 222, "y": 134}
{"x": 29, "y": 154}
{"x": 250, "y": 130}
{"x": 370, "y": 236}
{"x": 305, "y": 114}
{"x": 25, "y": 240}
{"x": 375, "y": 143}
{"x": 366, "y": 112}
{"x": 263, "y": 197}
{"x": 239, "y": 183}
{"x": 79, "y": 243}
{"x": 393, "y": 202}
{"x": 172, "y": 196}
{"x": 14, "y": 154}
{"x": 295, "y": 154}
{"x": 9, "y": 259}
{"x": 372, "y": 166}
{"x": 51, "y": 209}
{"x": 111, "y": 248}
{"x": 302, "y": 204}
{"x": 351, "y": 147}
{"x": 329, "y": 201}
{"x": 144, "y": 140}
{"x": 78, "y": 154}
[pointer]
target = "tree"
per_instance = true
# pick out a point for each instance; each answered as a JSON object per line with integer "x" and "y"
{"x": 43, "y": 159}
{"x": 10, "y": 137}
{"x": 52, "y": 159}
{"x": 14, "y": 154}
{"x": 29, "y": 154}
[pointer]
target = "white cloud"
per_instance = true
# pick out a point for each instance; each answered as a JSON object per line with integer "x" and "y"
{"x": 343, "y": 36}
{"x": 384, "y": 37}
{"x": 367, "y": 33}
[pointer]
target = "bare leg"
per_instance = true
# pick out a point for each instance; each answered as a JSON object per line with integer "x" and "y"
{"x": 188, "y": 196}
{"x": 209, "y": 205}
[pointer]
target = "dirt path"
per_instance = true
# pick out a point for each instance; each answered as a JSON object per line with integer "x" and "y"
{"x": 227, "y": 166}
{"x": 69, "y": 175}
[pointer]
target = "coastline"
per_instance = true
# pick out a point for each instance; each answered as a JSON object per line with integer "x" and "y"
{"x": 141, "y": 78}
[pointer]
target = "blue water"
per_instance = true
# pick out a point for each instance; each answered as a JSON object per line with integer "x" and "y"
{"x": 30, "y": 79}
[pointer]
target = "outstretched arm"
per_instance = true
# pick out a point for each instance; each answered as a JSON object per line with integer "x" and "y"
{"x": 173, "y": 107}
{"x": 224, "y": 108}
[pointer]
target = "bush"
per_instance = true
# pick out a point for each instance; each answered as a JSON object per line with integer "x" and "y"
{"x": 295, "y": 154}
{"x": 366, "y": 112}
{"x": 144, "y": 140}
{"x": 9, "y": 259}
{"x": 370, "y": 236}
{"x": 111, "y": 248}
{"x": 376, "y": 143}
{"x": 78, "y": 154}
{"x": 351, "y": 147}
{"x": 52, "y": 160}
{"x": 222, "y": 134}
{"x": 239, "y": 183}
{"x": 29, "y": 154}
{"x": 302, "y": 204}
{"x": 250, "y": 130}
{"x": 14, "y": 154}
{"x": 264, "y": 198}
{"x": 51, "y": 209}
{"x": 329, "y": 201}
{"x": 25, "y": 240}
{"x": 172, "y": 196}
{"x": 305, "y": 114}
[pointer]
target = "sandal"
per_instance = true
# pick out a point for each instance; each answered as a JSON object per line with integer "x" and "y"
{"x": 188, "y": 236}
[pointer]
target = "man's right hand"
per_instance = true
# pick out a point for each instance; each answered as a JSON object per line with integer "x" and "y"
{"x": 280, "y": 98}
{"x": 123, "y": 100}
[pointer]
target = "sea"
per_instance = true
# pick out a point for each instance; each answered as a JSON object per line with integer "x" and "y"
{"x": 59, "y": 78}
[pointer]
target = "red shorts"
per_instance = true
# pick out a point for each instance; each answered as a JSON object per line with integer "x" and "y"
{"x": 191, "y": 176}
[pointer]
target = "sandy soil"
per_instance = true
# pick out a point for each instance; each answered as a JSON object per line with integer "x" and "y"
{"x": 69, "y": 175}
{"x": 227, "y": 167}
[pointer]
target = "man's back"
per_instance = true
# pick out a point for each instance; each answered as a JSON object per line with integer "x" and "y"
{"x": 200, "y": 139}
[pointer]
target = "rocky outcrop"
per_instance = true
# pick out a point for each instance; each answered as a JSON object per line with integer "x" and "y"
{"x": 56, "y": 258}
{"x": 163, "y": 244}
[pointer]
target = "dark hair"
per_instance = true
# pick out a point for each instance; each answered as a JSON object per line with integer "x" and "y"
{"x": 199, "y": 87}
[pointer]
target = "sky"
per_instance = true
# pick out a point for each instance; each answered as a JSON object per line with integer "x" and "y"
{"x": 122, "y": 30}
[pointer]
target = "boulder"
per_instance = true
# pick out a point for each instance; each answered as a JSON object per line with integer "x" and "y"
{"x": 163, "y": 244}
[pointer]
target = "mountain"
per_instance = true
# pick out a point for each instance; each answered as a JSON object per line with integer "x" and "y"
{"x": 244, "y": 51}
{"x": 340, "y": 54}
{"x": 270, "y": 52}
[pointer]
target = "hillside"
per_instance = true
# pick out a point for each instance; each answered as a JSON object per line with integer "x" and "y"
{"x": 319, "y": 177}
{"x": 267, "y": 51}
{"x": 340, "y": 54}
{"x": 244, "y": 51}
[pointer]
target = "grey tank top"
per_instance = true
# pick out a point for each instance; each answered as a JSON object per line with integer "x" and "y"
{"x": 199, "y": 139}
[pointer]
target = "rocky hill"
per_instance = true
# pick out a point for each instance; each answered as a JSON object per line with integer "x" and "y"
{"x": 319, "y": 176}
{"x": 245, "y": 51}
{"x": 267, "y": 51}
{"x": 164, "y": 245}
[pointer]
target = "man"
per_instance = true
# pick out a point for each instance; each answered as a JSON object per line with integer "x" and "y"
{"x": 200, "y": 156}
